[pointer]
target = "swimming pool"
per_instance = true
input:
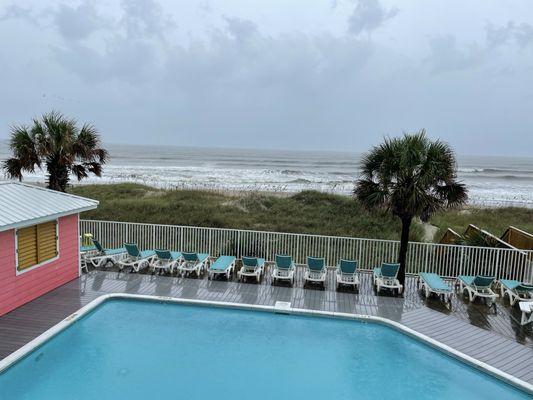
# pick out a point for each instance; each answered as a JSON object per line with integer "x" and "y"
{"x": 128, "y": 349}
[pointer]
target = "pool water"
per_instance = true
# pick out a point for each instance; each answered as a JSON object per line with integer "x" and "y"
{"x": 145, "y": 350}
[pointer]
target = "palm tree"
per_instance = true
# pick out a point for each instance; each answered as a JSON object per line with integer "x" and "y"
{"x": 59, "y": 144}
{"x": 410, "y": 176}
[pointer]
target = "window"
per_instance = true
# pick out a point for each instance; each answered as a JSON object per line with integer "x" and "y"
{"x": 36, "y": 244}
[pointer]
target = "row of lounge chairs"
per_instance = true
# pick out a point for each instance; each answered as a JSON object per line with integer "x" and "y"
{"x": 384, "y": 277}
{"x": 186, "y": 263}
{"x": 477, "y": 286}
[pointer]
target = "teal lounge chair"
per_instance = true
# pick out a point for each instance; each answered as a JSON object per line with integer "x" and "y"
{"x": 284, "y": 269}
{"x": 193, "y": 262}
{"x": 252, "y": 267}
{"x": 136, "y": 259}
{"x": 386, "y": 277}
{"x": 86, "y": 249}
{"x": 516, "y": 290}
{"x": 315, "y": 271}
{"x": 433, "y": 283}
{"x": 477, "y": 286}
{"x": 102, "y": 256}
{"x": 347, "y": 273}
{"x": 224, "y": 265}
{"x": 165, "y": 260}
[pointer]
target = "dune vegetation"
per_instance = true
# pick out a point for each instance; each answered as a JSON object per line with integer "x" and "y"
{"x": 305, "y": 212}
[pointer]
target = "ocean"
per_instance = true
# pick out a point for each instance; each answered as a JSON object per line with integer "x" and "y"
{"x": 490, "y": 180}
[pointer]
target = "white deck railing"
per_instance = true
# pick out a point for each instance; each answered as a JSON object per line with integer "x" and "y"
{"x": 446, "y": 260}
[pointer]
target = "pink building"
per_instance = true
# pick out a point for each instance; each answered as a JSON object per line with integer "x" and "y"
{"x": 39, "y": 241}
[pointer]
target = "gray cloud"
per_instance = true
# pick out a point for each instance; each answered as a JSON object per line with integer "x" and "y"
{"x": 145, "y": 18}
{"x": 240, "y": 29}
{"x": 369, "y": 15}
{"x": 499, "y": 35}
{"x": 14, "y": 11}
{"x": 142, "y": 75}
{"x": 78, "y": 22}
{"x": 446, "y": 55}
{"x": 131, "y": 46}
{"x": 524, "y": 35}
{"x": 520, "y": 34}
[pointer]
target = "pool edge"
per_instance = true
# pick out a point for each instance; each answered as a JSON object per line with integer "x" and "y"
{"x": 74, "y": 317}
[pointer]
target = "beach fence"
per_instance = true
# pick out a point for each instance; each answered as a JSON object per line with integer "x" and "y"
{"x": 443, "y": 259}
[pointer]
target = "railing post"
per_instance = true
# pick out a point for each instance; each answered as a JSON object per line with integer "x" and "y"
{"x": 498, "y": 267}
{"x": 267, "y": 255}
{"x": 328, "y": 252}
{"x": 239, "y": 255}
{"x": 297, "y": 247}
{"x": 462, "y": 261}
{"x": 210, "y": 249}
{"x": 358, "y": 257}
{"x": 100, "y": 234}
{"x": 426, "y": 261}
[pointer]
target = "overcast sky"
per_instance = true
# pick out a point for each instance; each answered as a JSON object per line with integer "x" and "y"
{"x": 307, "y": 74}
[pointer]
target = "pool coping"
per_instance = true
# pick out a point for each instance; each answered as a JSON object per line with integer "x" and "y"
{"x": 74, "y": 317}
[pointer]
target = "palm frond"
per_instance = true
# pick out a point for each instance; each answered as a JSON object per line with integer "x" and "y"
{"x": 61, "y": 145}
{"x": 413, "y": 175}
{"x": 13, "y": 168}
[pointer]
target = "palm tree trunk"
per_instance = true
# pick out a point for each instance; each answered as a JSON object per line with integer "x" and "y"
{"x": 404, "y": 241}
{"x": 57, "y": 175}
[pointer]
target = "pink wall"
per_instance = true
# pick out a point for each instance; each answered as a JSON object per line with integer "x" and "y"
{"x": 18, "y": 290}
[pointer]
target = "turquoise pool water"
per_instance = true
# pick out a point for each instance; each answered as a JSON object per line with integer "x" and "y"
{"x": 143, "y": 350}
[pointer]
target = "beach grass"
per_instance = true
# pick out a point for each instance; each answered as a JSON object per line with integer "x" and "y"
{"x": 305, "y": 212}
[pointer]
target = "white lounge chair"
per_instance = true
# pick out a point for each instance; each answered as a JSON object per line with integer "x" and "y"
{"x": 165, "y": 260}
{"x": 136, "y": 259}
{"x": 284, "y": 269}
{"x": 102, "y": 255}
{"x": 527, "y": 312}
{"x": 252, "y": 267}
{"x": 85, "y": 252}
{"x": 477, "y": 286}
{"x": 315, "y": 271}
{"x": 433, "y": 283}
{"x": 516, "y": 290}
{"x": 386, "y": 277}
{"x": 193, "y": 263}
{"x": 346, "y": 274}
{"x": 224, "y": 265}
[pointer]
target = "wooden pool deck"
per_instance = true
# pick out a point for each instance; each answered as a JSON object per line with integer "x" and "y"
{"x": 495, "y": 338}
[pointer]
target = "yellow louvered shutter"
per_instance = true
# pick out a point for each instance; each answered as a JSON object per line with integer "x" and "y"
{"x": 46, "y": 241}
{"x": 27, "y": 247}
{"x": 36, "y": 244}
